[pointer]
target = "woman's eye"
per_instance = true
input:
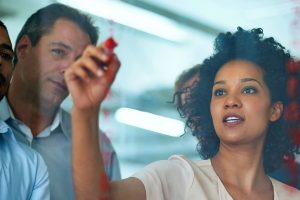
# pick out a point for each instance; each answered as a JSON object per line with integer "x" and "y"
{"x": 249, "y": 90}
{"x": 219, "y": 92}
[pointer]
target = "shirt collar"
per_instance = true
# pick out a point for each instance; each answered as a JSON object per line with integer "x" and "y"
{"x": 4, "y": 129}
{"x": 6, "y": 113}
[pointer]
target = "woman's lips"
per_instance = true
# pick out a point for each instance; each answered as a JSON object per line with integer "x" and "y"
{"x": 232, "y": 120}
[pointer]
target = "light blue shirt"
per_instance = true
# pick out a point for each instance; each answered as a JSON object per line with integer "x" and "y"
{"x": 54, "y": 145}
{"x": 23, "y": 173}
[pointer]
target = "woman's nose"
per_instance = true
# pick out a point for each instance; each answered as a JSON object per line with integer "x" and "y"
{"x": 232, "y": 101}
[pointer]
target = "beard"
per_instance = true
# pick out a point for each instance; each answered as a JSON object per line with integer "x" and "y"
{"x": 2, "y": 80}
{"x": 3, "y": 86}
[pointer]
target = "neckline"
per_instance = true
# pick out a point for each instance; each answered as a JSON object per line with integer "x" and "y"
{"x": 225, "y": 195}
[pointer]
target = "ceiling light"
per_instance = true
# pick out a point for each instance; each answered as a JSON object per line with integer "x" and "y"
{"x": 132, "y": 16}
{"x": 272, "y": 10}
{"x": 149, "y": 121}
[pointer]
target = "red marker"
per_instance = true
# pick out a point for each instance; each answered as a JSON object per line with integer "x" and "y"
{"x": 108, "y": 45}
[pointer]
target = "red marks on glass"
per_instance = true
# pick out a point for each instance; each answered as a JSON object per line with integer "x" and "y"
{"x": 292, "y": 86}
{"x": 104, "y": 187}
{"x": 295, "y": 25}
{"x": 292, "y": 167}
{"x": 293, "y": 66}
{"x": 292, "y": 115}
{"x": 295, "y": 135}
{"x": 292, "y": 112}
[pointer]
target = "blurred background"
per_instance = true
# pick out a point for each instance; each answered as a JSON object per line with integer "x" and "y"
{"x": 158, "y": 39}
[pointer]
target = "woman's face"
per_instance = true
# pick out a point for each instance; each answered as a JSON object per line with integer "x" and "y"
{"x": 241, "y": 105}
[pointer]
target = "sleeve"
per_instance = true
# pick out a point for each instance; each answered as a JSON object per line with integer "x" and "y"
{"x": 41, "y": 188}
{"x": 167, "y": 179}
{"x": 115, "y": 168}
{"x": 111, "y": 162}
{"x": 284, "y": 192}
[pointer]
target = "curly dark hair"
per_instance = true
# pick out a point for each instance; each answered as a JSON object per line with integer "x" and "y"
{"x": 272, "y": 58}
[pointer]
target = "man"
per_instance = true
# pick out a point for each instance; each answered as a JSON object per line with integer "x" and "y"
{"x": 49, "y": 42}
{"x": 23, "y": 173}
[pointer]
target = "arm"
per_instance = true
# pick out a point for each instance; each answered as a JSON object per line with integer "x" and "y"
{"x": 88, "y": 85}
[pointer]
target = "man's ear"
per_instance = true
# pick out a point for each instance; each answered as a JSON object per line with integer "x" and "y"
{"x": 276, "y": 111}
{"x": 22, "y": 47}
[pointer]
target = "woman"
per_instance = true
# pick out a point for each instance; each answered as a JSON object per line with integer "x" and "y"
{"x": 235, "y": 111}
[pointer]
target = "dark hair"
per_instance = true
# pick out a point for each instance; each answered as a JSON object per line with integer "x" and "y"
{"x": 272, "y": 58}
{"x": 186, "y": 76}
{"x": 181, "y": 80}
{"x": 5, "y": 28}
{"x": 3, "y": 25}
{"x": 42, "y": 21}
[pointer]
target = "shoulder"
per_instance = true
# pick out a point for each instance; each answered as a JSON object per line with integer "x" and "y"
{"x": 176, "y": 168}
{"x": 35, "y": 171}
{"x": 167, "y": 179}
{"x": 23, "y": 160}
{"x": 31, "y": 159}
{"x": 67, "y": 126}
{"x": 18, "y": 151}
{"x": 201, "y": 170}
{"x": 285, "y": 191}
{"x": 184, "y": 163}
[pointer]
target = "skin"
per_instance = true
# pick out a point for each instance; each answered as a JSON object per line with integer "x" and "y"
{"x": 239, "y": 90}
{"x": 6, "y": 56}
{"x": 88, "y": 85}
{"x": 38, "y": 86}
{"x": 241, "y": 143}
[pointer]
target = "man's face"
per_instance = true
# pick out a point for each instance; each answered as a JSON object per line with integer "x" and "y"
{"x": 41, "y": 67}
{"x": 6, "y": 55}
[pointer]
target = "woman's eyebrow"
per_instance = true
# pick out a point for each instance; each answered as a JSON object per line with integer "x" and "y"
{"x": 218, "y": 82}
{"x": 242, "y": 80}
{"x": 251, "y": 79}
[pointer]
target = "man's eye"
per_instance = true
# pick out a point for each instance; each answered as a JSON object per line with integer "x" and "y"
{"x": 219, "y": 92}
{"x": 58, "y": 52}
{"x": 249, "y": 90}
{"x": 6, "y": 55}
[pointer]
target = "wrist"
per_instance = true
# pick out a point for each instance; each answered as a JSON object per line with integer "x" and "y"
{"x": 89, "y": 114}
{"x": 87, "y": 120}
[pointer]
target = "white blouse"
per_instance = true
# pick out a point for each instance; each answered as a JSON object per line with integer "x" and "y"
{"x": 181, "y": 179}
